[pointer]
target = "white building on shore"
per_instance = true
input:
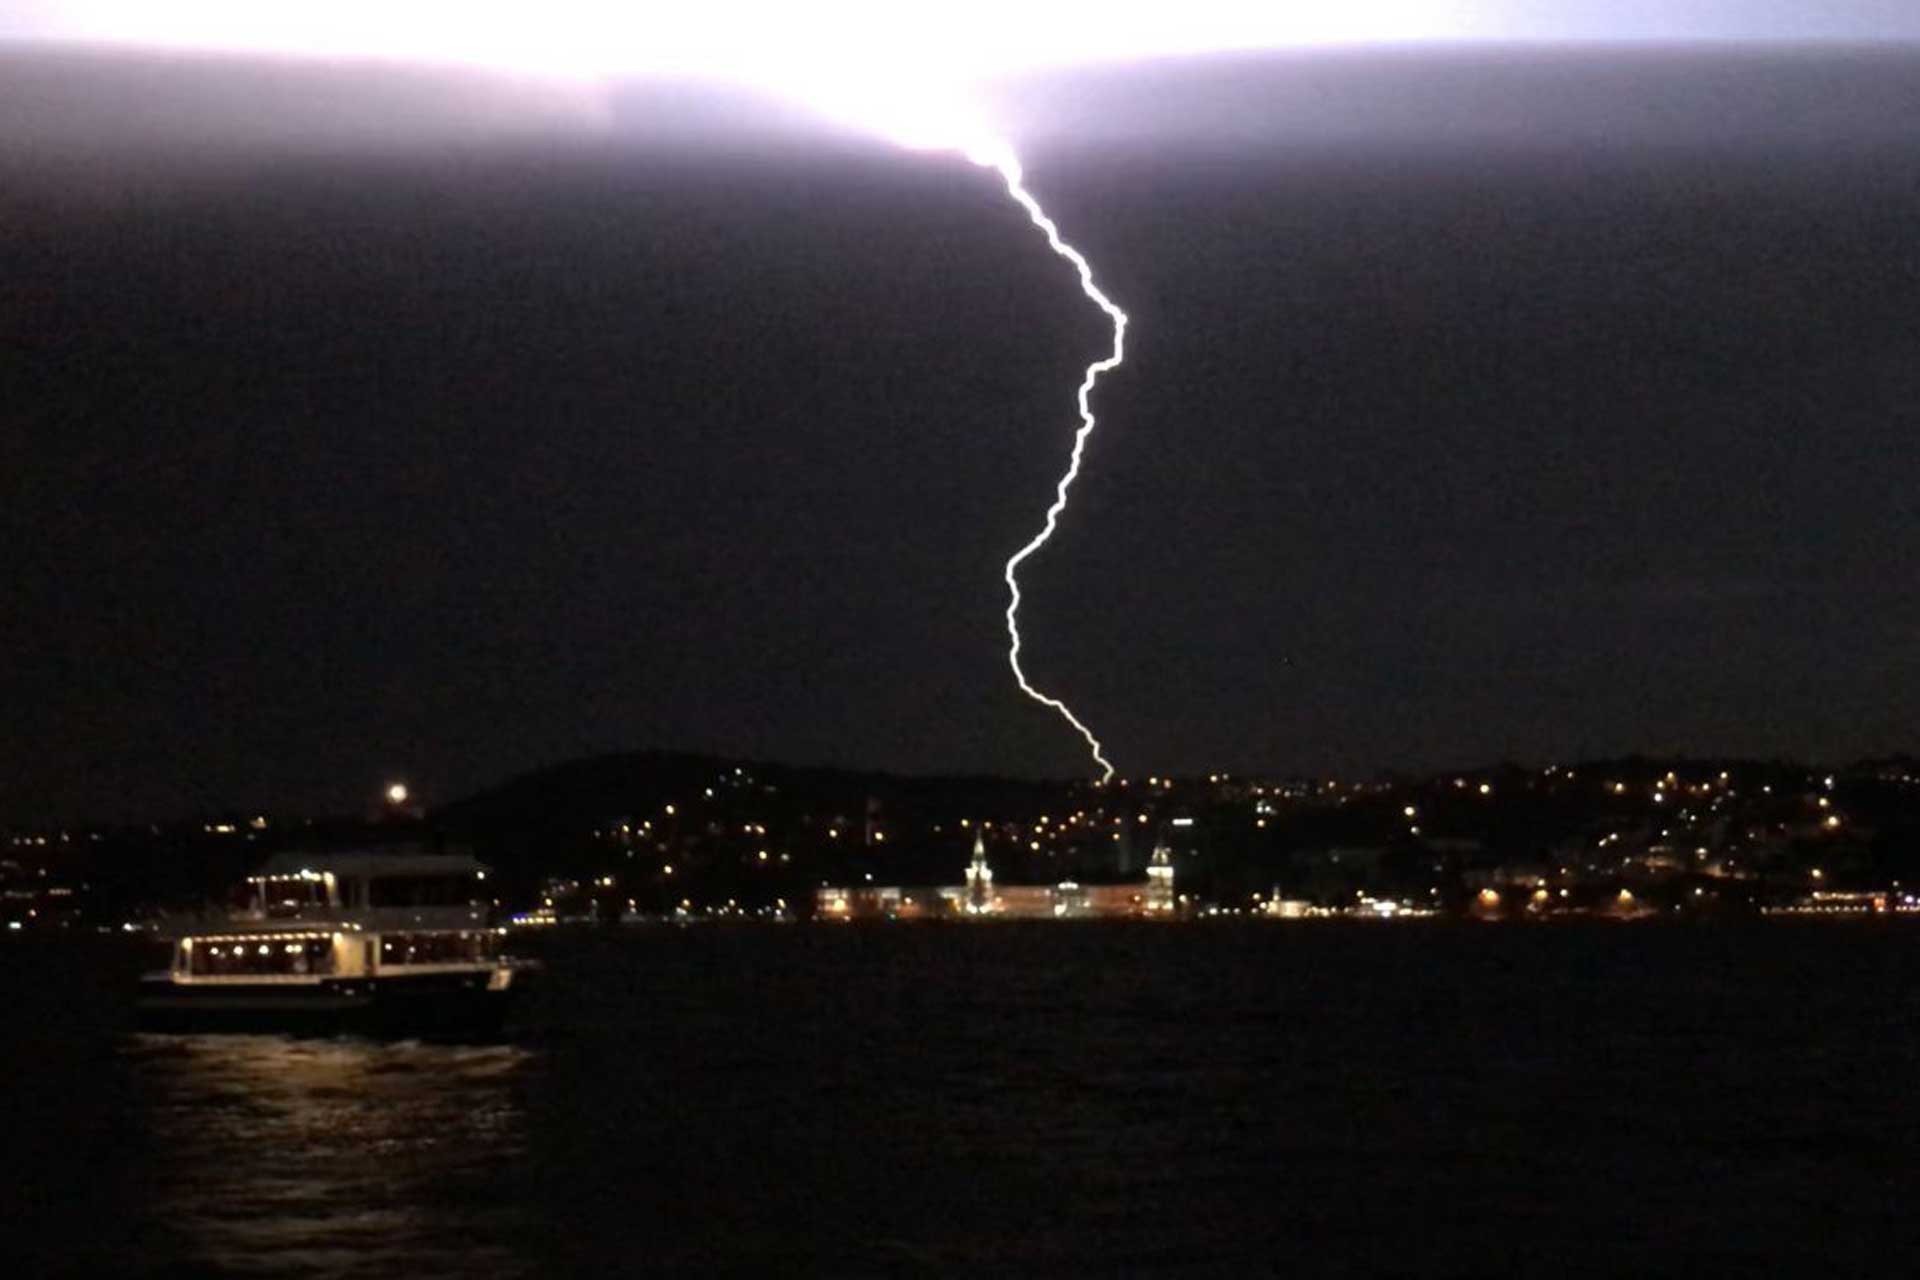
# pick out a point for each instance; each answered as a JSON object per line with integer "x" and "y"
{"x": 979, "y": 897}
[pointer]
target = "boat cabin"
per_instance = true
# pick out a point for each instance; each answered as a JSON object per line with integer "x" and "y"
{"x": 307, "y": 916}
{"x": 372, "y": 888}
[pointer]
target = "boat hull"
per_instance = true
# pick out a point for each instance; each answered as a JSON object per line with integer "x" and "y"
{"x": 462, "y": 1005}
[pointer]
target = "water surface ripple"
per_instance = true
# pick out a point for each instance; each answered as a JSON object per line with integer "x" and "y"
{"x": 1438, "y": 1099}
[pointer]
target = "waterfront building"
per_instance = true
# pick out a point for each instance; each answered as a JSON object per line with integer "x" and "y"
{"x": 979, "y": 900}
{"x": 980, "y": 897}
{"x": 1160, "y": 899}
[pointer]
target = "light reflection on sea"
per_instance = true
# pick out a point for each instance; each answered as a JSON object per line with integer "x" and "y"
{"x": 310, "y": 1157}
{"x": 1049, "y": 1100}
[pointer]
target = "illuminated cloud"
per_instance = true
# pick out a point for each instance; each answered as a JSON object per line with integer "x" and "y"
{"x": 916, "y": 72}
{"x": 918, "y": 76}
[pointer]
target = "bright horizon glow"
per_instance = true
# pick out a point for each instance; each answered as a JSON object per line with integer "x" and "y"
{"x": 919, "y": 75}
{"x": 915, "y": 77}
{"x": 752, "y": 41}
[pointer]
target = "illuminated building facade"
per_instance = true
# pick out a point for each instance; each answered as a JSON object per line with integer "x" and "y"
{"x": 979, "y": 879}
{"x": 1160, "y": 899}
{"x": 980, "y": 898}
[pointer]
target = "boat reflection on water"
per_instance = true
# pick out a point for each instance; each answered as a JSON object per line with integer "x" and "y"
{"x": 324, "y": 1155}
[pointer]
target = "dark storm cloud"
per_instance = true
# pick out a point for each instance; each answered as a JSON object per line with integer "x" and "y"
{"x": 1489, "y": 95}
{"x": 1435, "y": 443}
{"x": 59, "y": 100}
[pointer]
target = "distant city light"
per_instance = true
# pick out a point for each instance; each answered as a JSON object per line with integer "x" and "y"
{"x": 397, "y": 793}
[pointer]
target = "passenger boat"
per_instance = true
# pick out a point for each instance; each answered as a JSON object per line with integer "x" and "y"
{"x": 368, "y": 942}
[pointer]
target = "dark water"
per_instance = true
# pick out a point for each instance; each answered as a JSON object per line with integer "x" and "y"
{"x": 1098, "y": 1099}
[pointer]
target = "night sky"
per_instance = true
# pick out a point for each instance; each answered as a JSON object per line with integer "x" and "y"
{"x": 1479, "y": 405}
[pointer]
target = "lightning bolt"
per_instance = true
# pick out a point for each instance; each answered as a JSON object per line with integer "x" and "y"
{"x": 999, "y": 157}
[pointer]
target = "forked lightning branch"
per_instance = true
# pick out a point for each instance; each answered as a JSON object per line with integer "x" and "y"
{"x": 1000, "y": 157}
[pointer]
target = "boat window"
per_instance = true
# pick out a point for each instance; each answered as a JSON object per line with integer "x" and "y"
{"x": 438, "y": 948}
{"x": 423, "y": 891}
{"x": 284, "y": 896}
{"x": 217, "y": 957}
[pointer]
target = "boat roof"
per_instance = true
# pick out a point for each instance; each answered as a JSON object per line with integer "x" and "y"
{"x": 368, "y": 862}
